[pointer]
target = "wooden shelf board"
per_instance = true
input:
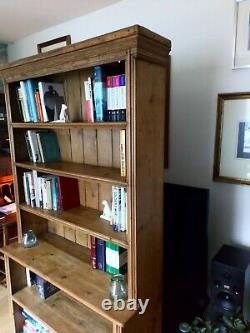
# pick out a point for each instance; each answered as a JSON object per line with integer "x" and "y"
{"x": 77, "y": 125}
{"x": 82, "y": 218}
{"x": 67, "y": 266}
{"x": 79, "y": 171}
{"x": 61, "y": 313}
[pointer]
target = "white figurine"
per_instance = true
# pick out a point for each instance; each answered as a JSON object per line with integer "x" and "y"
{"x": 106, "y": 215}
{"x": 63, "y": 117}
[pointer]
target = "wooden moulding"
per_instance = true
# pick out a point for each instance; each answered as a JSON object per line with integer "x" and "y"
{"x": 67, "y": 266}
{"x": 121, "y": 125}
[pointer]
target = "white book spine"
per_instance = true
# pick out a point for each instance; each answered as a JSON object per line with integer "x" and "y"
{"x": 48, "y": 191}
{"x": 118, "y": 228}
{"x": 40, "y": 148}
{"x": 28, "y": 277}
{"x": 31, "y": 189}
{"x": 25, "y": 102}
{"x": 40, "y": 88}
{"x": 126, "y": 208}
{"x": 44, "y": 192}
{"x": 123, "y": 209}
{"x": 26, "y": 192}
{"x": 35, "y": 180}
{"x": 40, "y": 193}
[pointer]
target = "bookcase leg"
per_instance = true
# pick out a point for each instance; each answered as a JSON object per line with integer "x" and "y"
{"x": 117, "y": 329}
{"x": 10, "y": 303}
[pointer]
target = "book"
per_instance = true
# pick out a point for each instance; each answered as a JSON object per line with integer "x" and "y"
{"x": 89, "y": 102}
{"x": 100, "y": 94}
{"x": 52, "y": 98}
{"x": 38, "y": 106}
{"x": 48, "y": 146}
{"x": 25, "y": 102}
{"x": 68, "y": 193}
{"x": 31, "y": 86}
{"x": 54, "y": 193}
{"x": 32, "y": 194}
{"x": 123, "y": 152}
{"x": 93, "y": 252}
{"x": 33, "y": 146}
{"x": 26, "y": 188}
{"x": 116, "y": 259}
{"x": 100, "y": 254}
{"x": 44, "y": 288}
{"x": 123, "y": 213}
{"x": 21, "y": 104}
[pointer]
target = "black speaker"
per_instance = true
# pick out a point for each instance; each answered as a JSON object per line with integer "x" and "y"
{"x": 229, "y": 275}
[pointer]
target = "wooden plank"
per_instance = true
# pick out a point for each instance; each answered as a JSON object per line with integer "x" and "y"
{"x": 61, "y": 313}
{"x": 69, "y": 125}
{"x": 73, "y": 95}
{"x": 77, "y": 145}
{"x": 81, "y": 238}
{"x": 105, "y": 193}
{"x": 80, "y": 218}
{"x": 66, "y": 265}
{"x": 69, "y": 233}
{"x": 104, "y": 147}
{"x": 90, "y": 146}
{"x": 77, "y": 170}
{"x": 92, "y": 195}
{"x": 82, "y": 192}
{"x": 64, "y": 140}
{"x": 116, "y": 148}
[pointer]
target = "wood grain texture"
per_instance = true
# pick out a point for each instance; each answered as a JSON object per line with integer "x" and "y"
{"x": 61, "y": 313}
{"x": 66, "y": 265}
{"x": 69, "y": 125}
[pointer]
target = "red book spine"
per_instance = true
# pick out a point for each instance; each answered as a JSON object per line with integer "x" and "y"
{"x": 93, "y": 252}
{"x": 38, "y": 106}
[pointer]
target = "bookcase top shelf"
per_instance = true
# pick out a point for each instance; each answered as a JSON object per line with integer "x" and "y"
{"x": 76, "y": 170}
{"x": 77, "y": 125}
{"x": 82, "y": 218}
{"x": 54, "y": 313}
{"x": 95, "y": 51}
{"x": 66, "y": 265}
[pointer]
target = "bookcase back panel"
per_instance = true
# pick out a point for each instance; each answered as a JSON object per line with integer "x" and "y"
{"x": 31, "y": 222}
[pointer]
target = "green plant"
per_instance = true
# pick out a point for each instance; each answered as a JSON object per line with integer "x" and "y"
{"x": 198, "y": 326}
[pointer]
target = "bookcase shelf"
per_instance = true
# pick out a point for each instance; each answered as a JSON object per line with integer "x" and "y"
{"x": 95, "y": 154}
{"x": 82, "y": 218}
{"x": 79, "y": 171}
{"x": 67, "y": 266}
{"x": 70, "y": 125}
{"x": 54, "y": 313}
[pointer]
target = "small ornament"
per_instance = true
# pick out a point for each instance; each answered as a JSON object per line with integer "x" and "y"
{"x": 29, "y": 239}
{"x": 106, "y": 215}
{"x": 118, "y": 287}
{"x": 63, "y": 117}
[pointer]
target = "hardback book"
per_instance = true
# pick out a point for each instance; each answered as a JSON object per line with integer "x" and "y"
{"x": 116, "y": 259}
{"x": 89, "y": 101}
{"x": 68, "y": 193}
{"x": 100, "y": 94}
{"x": 52, "y": 98}
{"x": 100, "y": 254}
{"x": 31, "y": 86}
{"x": 123, "y": 152}
{"x": 21, "y": 104}
{"x": 46, "y": 192}
{"x": 123, "y": 214}
{"x": 26, "y": 188}
{"x": 114, "y": 219}
{"x": 93, "y": 252}
{"x": 55, "y": 193}
{"x": 32, "y": 145}
{"x": 49, "y": 147}
{"x": 44, "y": 288}
{"x": 31, "y": 187}
{"x": 25, "y": 102}
{"x": 38, "y": 106}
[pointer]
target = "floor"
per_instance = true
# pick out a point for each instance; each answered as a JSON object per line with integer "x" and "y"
{"x": 5, "y": 326}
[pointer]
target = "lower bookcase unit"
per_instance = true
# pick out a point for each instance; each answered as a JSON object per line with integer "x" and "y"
{"x": 59, "y": 313}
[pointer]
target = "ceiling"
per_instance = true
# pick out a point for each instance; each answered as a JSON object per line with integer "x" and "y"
{"x": 20, "y": 18}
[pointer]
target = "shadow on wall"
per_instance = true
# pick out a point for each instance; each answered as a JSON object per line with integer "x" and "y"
{"x": 3, "y": 60}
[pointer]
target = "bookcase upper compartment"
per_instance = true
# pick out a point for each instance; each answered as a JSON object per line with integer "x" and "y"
{"x": 65, "y": 173}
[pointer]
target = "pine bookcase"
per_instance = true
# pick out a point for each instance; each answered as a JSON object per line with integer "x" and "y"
{"x": 90, "y": 153}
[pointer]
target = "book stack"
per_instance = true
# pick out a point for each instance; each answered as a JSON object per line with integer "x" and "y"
{"x": 105, "y": 97}
{"x": 32, "y": 325}
{"x": 108, "y": 257}
{"x": 119, "y": 208}
{"x": 42, "y": 146}
{"x": 40, "y": 101}
{"x": 50, "y": 192}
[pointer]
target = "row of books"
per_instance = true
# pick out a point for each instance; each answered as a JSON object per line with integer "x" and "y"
{"x": 50, "y": 192}
{"x": 32, "y": 325}
{"x": 119, "y": 208}
{"x": 105, "y": 97}
{"x": 42, "y": 146}
{"x": 108, "y": 257}
{"x": 40, "y": 101}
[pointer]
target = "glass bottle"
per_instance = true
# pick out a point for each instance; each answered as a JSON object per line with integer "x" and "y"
{"x": 29, "y": 239}
{"x": 118, "y": 287}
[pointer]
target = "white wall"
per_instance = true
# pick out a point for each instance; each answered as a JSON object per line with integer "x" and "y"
{"x": 202, "y": 35}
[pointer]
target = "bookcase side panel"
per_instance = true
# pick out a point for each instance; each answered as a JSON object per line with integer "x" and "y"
{"x": 150, "y": 106}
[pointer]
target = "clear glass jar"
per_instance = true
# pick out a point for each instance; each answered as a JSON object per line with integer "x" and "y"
{"x": 29, "y": 239}
{"x": 118, "y": 287}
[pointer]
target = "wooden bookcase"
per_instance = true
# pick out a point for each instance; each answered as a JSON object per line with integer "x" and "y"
{"x": 90, "y": 153}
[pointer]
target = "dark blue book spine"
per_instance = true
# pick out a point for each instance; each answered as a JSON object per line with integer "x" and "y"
{"x": 31, "y": 87}
{"x": 100, "y": 94}
{"x": 101, "y": 254}
{"x": 54, "y": 191}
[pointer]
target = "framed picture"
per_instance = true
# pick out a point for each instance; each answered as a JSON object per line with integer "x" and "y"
{"x": 232, "y": 142}
{"x": 242, "y": 34}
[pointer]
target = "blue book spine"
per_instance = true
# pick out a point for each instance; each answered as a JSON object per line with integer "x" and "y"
{"x": 31, "y": 88}
{"x": 54, "y": 192}
{"x": 101, "y": 254}
{"x": 100, "y": 94}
